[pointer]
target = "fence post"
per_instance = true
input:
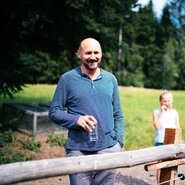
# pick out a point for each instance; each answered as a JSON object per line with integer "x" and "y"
{"x": 172, "y": 136}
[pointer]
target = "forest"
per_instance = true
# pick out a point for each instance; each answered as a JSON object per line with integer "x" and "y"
{"x": 39, "y": 40}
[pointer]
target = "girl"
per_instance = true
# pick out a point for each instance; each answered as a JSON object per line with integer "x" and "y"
{"x": 164, "y": 117}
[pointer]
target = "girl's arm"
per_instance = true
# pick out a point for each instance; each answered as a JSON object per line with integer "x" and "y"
{"x": 177, "y": 121}
{"x": 157, "y": 120}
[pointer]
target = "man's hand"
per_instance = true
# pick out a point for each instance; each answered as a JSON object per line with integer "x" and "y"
{"x": 87, "y": 122}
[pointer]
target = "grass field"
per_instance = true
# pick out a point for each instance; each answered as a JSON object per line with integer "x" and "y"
{"x": 137, "y": 104}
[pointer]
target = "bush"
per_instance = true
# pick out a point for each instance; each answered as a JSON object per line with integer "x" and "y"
{"x": 14, "y": 157}
{"x": 31, "y": 144}
{"x": 56, "y": 139}
{"x": 6, "y": 137}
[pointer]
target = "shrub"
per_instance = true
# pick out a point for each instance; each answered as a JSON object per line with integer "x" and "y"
{"x": 31, "y": 144}
{"x": 8, "y": 156}
{"x": 56, "y": 139}
{"x": 6, "y": 137}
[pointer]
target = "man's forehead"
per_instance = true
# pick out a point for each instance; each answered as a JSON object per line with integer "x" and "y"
{"x": 90, "y": 44}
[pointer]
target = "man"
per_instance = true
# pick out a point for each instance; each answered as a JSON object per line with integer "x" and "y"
{"x": 91, "y": 97}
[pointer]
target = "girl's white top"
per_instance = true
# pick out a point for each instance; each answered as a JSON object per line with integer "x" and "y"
{"x": 169, "y": 121}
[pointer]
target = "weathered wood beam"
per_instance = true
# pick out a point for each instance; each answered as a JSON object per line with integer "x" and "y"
{"x": 30, "y": 170}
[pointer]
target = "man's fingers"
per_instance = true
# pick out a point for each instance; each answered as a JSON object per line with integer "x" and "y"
{"x": 87, "y": 122}
{"x": 93, "y": 119}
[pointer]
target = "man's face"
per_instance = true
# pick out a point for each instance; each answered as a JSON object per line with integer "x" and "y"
{"x": 90, "y": 54}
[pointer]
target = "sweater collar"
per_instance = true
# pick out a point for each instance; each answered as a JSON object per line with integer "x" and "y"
{"x": 84, "y": 75}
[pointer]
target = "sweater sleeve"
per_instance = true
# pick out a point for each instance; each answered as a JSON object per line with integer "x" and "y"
{"x": 57, "y": 112}
{"x": 118, "y": 116}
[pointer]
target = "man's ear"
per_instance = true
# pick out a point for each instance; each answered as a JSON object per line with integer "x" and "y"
{"x": 78, "y": 54}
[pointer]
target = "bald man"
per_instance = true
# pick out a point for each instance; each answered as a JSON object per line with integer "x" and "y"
{"x": 91, "y": 97}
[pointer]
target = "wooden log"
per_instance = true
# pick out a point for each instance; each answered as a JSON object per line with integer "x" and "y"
{"x": 22, "y": 171}
{"x": 165, "y": 164}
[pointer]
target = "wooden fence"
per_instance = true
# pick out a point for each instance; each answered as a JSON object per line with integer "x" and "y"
{"x": 30, "y": 170}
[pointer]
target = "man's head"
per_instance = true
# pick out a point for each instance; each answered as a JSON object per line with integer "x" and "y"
{"x": 90, "y": 53}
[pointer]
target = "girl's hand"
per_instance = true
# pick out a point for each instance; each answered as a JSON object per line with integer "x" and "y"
{"x": 164, "y": 108}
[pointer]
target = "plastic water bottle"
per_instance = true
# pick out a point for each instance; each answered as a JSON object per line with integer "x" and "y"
{"x": 93, "y": 135}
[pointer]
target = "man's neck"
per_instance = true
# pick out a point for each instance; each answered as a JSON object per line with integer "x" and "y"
{"x": 91, "y": 74}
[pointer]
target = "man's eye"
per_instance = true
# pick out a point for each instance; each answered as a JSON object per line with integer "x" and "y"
{"x": 90, "y": 53}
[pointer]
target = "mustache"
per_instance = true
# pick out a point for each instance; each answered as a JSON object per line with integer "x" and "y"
{"x": 90, "y": 60}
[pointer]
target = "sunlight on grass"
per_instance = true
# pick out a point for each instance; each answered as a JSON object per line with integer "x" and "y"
{"x": 32, "y": 93}
{"x": 137, "y": 104}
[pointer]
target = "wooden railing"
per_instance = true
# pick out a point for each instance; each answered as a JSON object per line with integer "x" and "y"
{"x": 30, "y": 170}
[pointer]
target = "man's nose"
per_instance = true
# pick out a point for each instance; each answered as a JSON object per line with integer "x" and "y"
{"x": 92, "y": 56}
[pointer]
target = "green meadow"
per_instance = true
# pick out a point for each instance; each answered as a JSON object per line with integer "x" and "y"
{"x": 137, "y": 105}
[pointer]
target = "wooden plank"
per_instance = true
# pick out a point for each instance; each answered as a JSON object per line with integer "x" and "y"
{"x": 165, "y": 164}
{"x": 22, "y": 171}
{"x": 172, "y": 136}
{"x": 167, "y": 175}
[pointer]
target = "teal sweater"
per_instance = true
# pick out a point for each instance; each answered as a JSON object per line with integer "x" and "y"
{"x": 83, "y": 96}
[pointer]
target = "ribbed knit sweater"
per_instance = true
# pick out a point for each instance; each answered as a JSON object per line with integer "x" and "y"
{"x": 83, "y": 96}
